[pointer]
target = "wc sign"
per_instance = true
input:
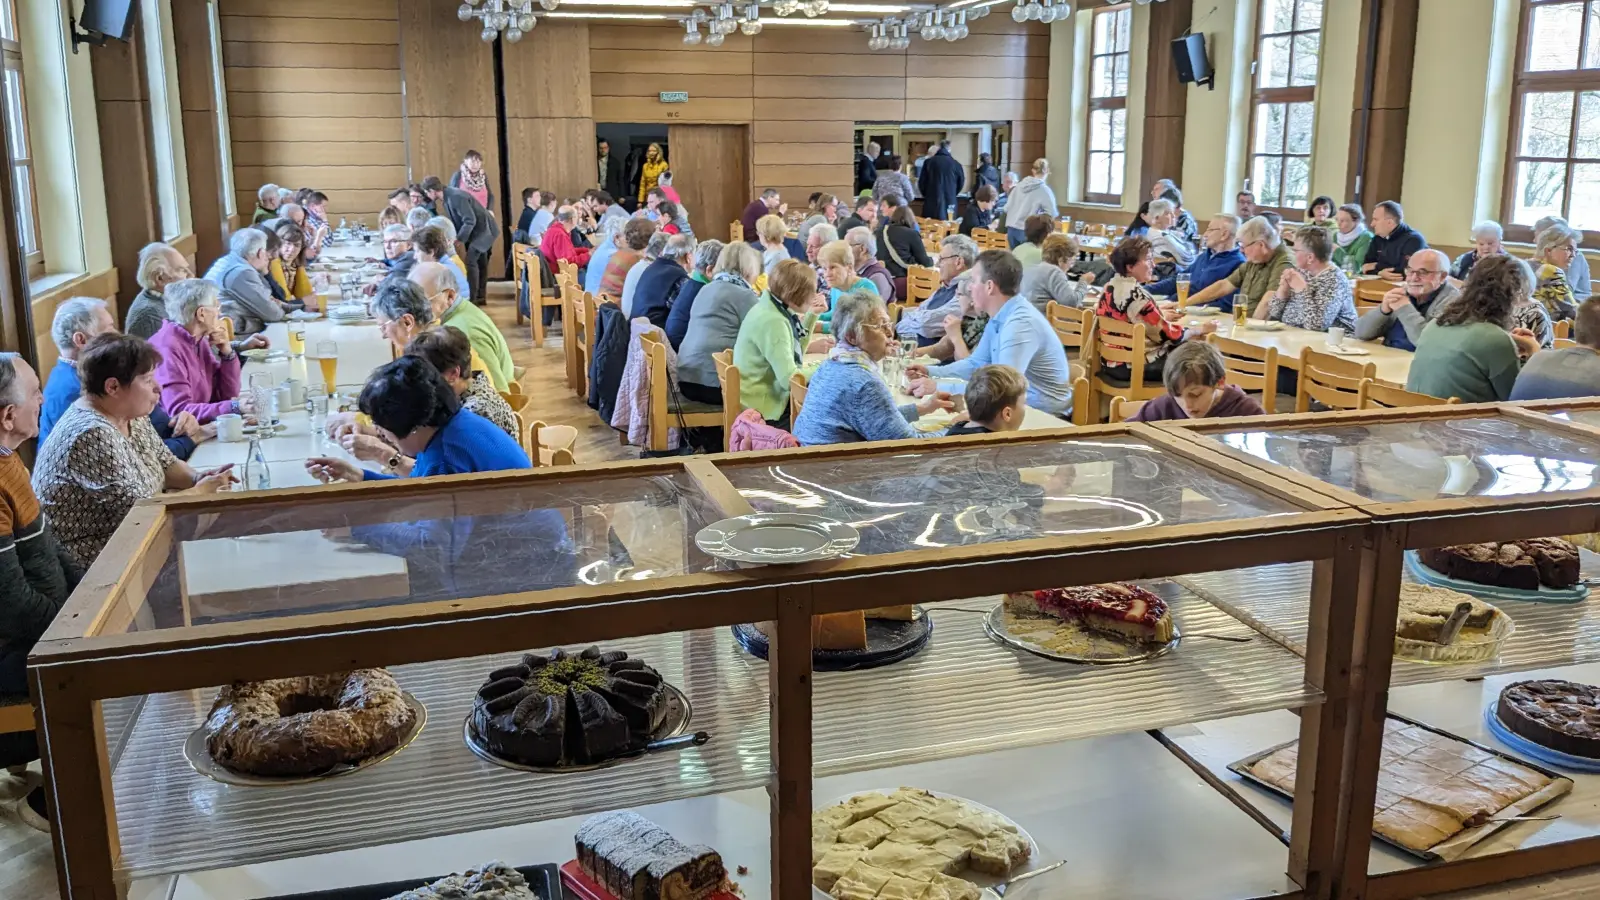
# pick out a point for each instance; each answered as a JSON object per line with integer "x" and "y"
{"x": 674, "y": 96}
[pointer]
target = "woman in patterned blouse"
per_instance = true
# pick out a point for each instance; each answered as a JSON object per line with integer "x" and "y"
{"x": 1314, "y": 295}
{"x": 104, "y": 455}
{"x": 1126, "y": 300}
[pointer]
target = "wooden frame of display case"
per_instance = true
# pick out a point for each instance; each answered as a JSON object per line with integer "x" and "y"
{"x": 1398, "y": 527}
{"x": 89, "y": 656}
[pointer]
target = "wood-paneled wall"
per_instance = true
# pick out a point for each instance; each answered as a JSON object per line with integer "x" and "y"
{"x": 314, "y": 98}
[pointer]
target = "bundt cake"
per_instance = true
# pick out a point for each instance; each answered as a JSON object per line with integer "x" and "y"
{"x": 565, "y": 710}
{"x": 307, "y": 725}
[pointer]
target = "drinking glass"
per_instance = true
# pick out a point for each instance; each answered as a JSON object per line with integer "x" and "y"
{"x": 297, "y": 339}
{"x": 328, "y": 358}
{"x": 1183, "y": 290}
{"x": 1241, "y": 309}
{"x": 264, "y": 395}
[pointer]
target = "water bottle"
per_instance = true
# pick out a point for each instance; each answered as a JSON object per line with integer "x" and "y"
{"x": 256, "y": 475}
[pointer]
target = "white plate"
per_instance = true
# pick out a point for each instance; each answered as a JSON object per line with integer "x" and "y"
{"x": 777, "y": 538}
{"x": 987, "y": 882}
{"x": 1203, "y": 310}
{"x": 1346, "y": 350}
{"x": 1259, "y": 325}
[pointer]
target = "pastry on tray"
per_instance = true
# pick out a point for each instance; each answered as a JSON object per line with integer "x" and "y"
{"x": 635, "y": 859}
{"x": 1561, "y": 715}
{"x": 1424, "y": 610}
{"x": 562, "y": 709}
{"x": 848, "y": 630}
{"x": 1431, "y": 786}
{"x": 1121, "y": 610}
{"x": 307, "y": 725}
{"x": 1524, "y": 565}
{"x": 910, "y": 844}
{"x": 491, "y": 881}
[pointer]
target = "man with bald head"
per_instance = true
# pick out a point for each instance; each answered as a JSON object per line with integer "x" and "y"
{"x": 450, "y": 308}
{"x": 1407, "y": 309}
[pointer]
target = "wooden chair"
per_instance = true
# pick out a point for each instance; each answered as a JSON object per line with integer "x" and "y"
{"x": 528, "y": 268}
{"x": 1333, "y": 381}
{"x": 988, "y": 239}
{"x": 1074, "y": 326}
{"x": 1563, "y": 328}
{"x": 736, "y": 232}
{"x": 728, "y": 374}
{"x": 580, "y": 326}
{"x": 554, "y": 443}
{"x": 16, "y": 714}
{"x": 1122, "y": 410}
{"x": 569, "y": 269}
{"x": 921, "y": 282}
{"x": 666, "y": 411}
{"x": 1115, "y": 341}
{"x": 227, "y": 327}
{"x": 1561, "y": 343}
{"x": 1375, "y": 394}
{"x": 797, "y": 396}
{"x": 1249, "y": 367}
{"x": 1082, "y": 394}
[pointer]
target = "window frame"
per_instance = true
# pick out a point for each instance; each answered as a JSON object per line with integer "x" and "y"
{"x": 1286, "y": 95}
{"x": 1524, "y": 82}
{"x": 11, "y": 55}
{"x": 1098, "y": 104}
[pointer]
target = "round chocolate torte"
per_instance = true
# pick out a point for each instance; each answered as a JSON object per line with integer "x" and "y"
{"x": 1561, "y": 715}
{"x": 558, "y": 709}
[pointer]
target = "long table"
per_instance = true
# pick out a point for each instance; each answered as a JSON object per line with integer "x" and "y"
{"x": 1032, "y": 419}
{"x": 1392, "y": 364}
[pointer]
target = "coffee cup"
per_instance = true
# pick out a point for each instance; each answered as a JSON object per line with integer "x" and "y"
{"x": 230, "y": 427}
{"x": 1336, "y": 337}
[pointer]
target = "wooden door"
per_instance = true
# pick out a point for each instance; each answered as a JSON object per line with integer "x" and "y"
{"x": 711, "y": 172}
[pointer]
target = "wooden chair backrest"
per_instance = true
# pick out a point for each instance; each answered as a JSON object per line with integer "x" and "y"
{"x": 659, "y": 392}
{"x": 728, "y": 374}
{"x": 988, "y": 239}
{"x": 736, "y": 232}
{"x": 519, "y": 265}
{"x": 540, "y": 454}
{"x": 1084, "y": 399}
{"x": 569, "y": 269}
{"x": 577, "y": 325}
{"x": 1563, "y": 328}
{"x": 1120, "y": 342}
{"x": 1249, "y": 367}
{"x": 1331, "y": 380}
{"x": 1375, "y": 394}
{"x": 227, "y": 327}
{"x": 921, "y": 282}
{"x": 1122, "y": 410}
{"x": 1073, "y": 326}
{"x": 1561, "y": 343}
{"x": 517, "y": 400}
{"x": 797, "y": 396}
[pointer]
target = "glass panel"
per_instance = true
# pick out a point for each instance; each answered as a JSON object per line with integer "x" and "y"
{"x": 1587, "y": 145}
{"x": 1277, "y": 16}
{"x": 1583, "y": 416}
{"x": 1100, "y": 129}
{"x": 1100, "y": 86}
{"x": 1118, "y": 163}
{"x": 23, "y": 180}
{"x": 1296, "y": 181}
{"x": 1301, "y": 128}
{"x": 1269, "y": 171}
{"x": 1104, "y": 32}
{"x": 1428, "y": 459}
{"x": 1305, "y": 59}
{"x": 1591, "y": 53}
{"x": 1538, "y": 193}
{"x": 1120, "y": 75}
{"x": 1119, "y": 129}
{"x": 262, "y": 562}
{"x": 1123, "y": 20}
{"x": 1258, "y": 178}
{"x": 1308, "y": 15}
{"x": 15, "y": 121}
{"x": 1585, "y": 197}
{"x": 1099, "y": 173}
{"x": 1270, "y": 127}
{"x": 948, "y": 497}
{"x": 1273, "y": 68}
{"x": 1553, "y": 35}
{"x": 8, "y": 20}
{"x": 1546, "y": 124}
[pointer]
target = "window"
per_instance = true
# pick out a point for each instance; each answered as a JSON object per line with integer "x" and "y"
{"x": 1284, "y": 120}
{"x": 1555, "y": 152}
{"x": 1108, "y": 105}
{"x": 16, "y": 113}
{"x": 230, "y": 203}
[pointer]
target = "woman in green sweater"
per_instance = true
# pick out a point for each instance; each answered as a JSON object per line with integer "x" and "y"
{"x": 1352, "y": 237}
{"x": 1470, "y": 351}
{"x": 772, "y": 338}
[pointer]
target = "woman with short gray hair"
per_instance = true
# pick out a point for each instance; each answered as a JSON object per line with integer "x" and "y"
{"x": 865, "y": 249}
{"x": 159, "y": 265}
{"x": 402, "y": 311}
{"x": 700, "y": 274}
{"x": 199, "y": 369}
{"x": 1487, "y": 240}
{"x": 1554, "y": 250}
{"x": 847, "y": 399}
{"x": 241, "y": 275}
{"x": 719, "y": 309}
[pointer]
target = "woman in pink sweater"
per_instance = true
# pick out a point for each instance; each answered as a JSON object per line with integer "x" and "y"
{"x": 199, "y": 370}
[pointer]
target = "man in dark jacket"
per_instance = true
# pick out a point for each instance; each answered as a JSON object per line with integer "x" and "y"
{"x": 866, "y": 171}
{"x": 985, "y": 173}
{"x": 609, "y": 170}
{"x": 1393, "y": 241}
{"x": 940, "y": 182}
{"x": 657, "y": 290}
{"x": 475, "y": 230}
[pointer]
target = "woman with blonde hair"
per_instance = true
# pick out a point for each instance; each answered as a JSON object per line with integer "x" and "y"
{"x": 772, "y": 341}
{"x": 719, "y": 310}
{"x": 837, "y": 260}
{"x": 289, "y": 265}
{"x": 1031, "y": 197}
{"x": 1554, "y": 249}
{"x": 655, "y": 162}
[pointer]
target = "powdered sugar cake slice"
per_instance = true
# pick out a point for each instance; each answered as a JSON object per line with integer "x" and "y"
{"x": 1124, "y": 610}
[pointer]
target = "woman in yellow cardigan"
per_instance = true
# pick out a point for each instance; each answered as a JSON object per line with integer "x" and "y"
{"x": 650, "y": 174}
{"x": 289, "y": 266}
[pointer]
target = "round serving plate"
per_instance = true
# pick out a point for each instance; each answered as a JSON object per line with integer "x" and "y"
{"x": 777, "y": 538}
{"x": 1424, "y": 575}
{"x": 265, "y": 355}
{"x": 1075, "y": 645}
{"x": 888, "y": 642}
{"x": 1203, "y": 310}
{"x": 1536, "y": 752}
{"x": 199, "y": 757}
{"x": 676, "y": 722}
{"x": 985, "y": 882}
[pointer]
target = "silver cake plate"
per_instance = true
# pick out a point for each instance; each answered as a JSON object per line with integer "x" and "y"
{"x": 1072, "y": 643}
{"x": 199, "y": 757}
{"x": 676, "y": 722}
{"x": 777, "y": 538}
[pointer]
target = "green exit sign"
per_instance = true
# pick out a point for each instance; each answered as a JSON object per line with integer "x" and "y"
{"x": 674, "y": 96}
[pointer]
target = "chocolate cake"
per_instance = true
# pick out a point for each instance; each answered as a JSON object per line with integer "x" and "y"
{"x": 559, "y": 709}
{"x": 635, "y": 859}
{"x": 1561, "y": 715}
{"x": 1524, "y": 564}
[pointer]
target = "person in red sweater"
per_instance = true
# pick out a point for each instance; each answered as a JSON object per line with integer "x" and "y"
{"x": 665, "y": 184}
{"x": 557, "y": 241}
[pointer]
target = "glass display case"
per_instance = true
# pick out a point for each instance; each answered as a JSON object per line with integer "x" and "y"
{"x": 444, "y": 580}
{"x": 1439, "y": 477}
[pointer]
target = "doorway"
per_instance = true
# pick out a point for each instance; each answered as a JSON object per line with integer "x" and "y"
{"x": 629, "y": 141}
{"x": 711, "y": 172}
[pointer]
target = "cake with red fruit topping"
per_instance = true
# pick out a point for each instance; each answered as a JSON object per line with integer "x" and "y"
{"x": 1122, "y": 610}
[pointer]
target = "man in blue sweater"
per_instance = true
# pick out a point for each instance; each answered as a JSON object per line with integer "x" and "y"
{"x": 657, "y": 290}
{"x": 1216, "y": 262}
{"x": 1018, "y": 336}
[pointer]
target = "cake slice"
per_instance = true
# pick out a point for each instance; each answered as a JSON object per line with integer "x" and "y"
{"x": 860, "y": 882}
{"x": 866, "y": 833}
{"x": 894, "y": 613}
{"x": 865, "y": 806}
{"x": 839, "y": 631}
{"x": 902, "y": 888}
{"x": 1424, "y": 610}
{"x": 999, "y": 853}
{"x": 833, "y": 864}
{"x": 957, "y": 888}
{"x": 1126, "y": 611}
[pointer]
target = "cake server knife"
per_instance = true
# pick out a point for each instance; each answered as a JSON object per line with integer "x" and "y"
{"x": 1452, "y": 625}
{"x": 694, "y": 739}
{"x": 1000, "y": 889}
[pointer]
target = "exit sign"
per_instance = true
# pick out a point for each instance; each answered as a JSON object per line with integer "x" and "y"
{"x": 674, "y": 96}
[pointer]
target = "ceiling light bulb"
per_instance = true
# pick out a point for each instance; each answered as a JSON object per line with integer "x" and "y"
{"x": 692, "y": 38}
{"x": 464, "y": 13}
{"x": 714, "y": 39}
{"x": 751, "y": 28}
{"x": 513, "y": 34}
{"x": 527, "y": 22}
{"x": 962, "y": 31}
{"x": 488, "y": 35}
{"x": 1019, "y": 13}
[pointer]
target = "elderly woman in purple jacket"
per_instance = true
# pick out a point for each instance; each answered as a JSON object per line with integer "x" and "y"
{"x": 199, "y": 370}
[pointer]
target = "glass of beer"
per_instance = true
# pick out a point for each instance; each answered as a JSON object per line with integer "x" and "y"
{"x": 297, "y": 339}
{"x": 1183, "y": 291}
{"x": 328, "y": 359}
{"x": 1241, "y": 309}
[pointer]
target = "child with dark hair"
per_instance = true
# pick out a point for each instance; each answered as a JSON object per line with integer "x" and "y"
{"x": 996, "y": 398}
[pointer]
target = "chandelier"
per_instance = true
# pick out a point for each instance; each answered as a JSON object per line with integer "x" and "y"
{"x": 1044, "y": 10}
{"x": 510, "y": 18}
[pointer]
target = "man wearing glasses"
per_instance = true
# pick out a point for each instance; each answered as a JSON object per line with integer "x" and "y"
{"x": 1265, "y": 261}
{"x": 1407, "y": 309}
{"x": 925, "y": 323}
